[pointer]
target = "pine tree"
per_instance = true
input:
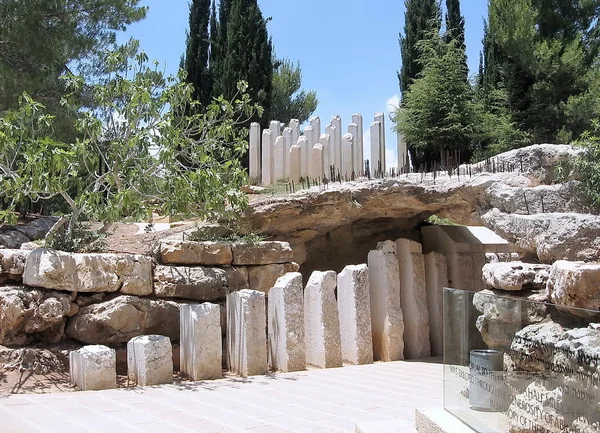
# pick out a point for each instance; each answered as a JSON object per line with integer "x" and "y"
{"x": 420, "y": 16}
{"x": 197, "y": 52}
{"x": 455, "y": 29}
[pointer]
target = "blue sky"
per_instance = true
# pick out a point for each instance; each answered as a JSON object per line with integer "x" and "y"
{"x": 348, "y": 49}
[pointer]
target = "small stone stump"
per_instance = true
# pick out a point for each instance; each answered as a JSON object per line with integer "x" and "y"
{"x": 355, "y": 314}
{"x": 321, "y": 319}
{"x": 246, "y": 333}
{"x": 93, "y": 368}
{"x": 200, "y": 346}
{"x": 150, "y": 360}
{"x": 287, "y": 351}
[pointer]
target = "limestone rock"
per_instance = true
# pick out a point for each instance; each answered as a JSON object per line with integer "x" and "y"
{"x": 11, "y": 238}
{"x": 198, "y": 283}
{"x": 173, "y": 252}
{"x": 550, "y": 236}
{"x": 37, "y": 228}
{"x": 575, "y": 284}
{"x": 513, "y": 276}
{"x": 130, "y": 274}
{"x": 93, "y": 368}
{"x": 526, "y": 412}
{"x": 261, "y": 253}
{"x": 31, "y": 315}
{"x": 529, "y": 349}
{"x": 12, "y": 265}
{"x": 262, "y": 278}
{"x": 122, "y": 318}
{"x": 150, "y": 360}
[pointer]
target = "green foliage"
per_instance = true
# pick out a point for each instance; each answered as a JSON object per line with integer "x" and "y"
{"x": 288, "y": 101}
{"x": 420, "y": 18}
{"x": 80, "y": 239}
{"x": 126, "y": 161}
{"x": 225, "y": 234}
{"x": 440, "y": 221}
{"x": 197, "y": 51}
{"x": 438, "y": 112}
{"x": 455, "y": 29}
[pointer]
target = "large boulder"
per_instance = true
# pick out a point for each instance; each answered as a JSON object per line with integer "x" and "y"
{"x": 550, "y": 236}
{"x": 514, "y": 276}
{"x": 263, "y": 278}
{"x": 129, "y": 274}
{"x": 122, "y": 318}
{"x": 261, "y": 253}
{"x": 32, "y": 315}
{"x": 198, "y": 283}
{"x": 175, "y": 252}
{"x": 12, "y": 238}
{"x": 12, "y": 265}
{"x": 575, "y": 284}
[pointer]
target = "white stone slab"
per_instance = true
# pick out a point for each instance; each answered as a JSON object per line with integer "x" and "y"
{"x": 200, "y": 345}
{"x": 347, "y": 155}
{"x": 312, "y": 140}
{"x": 355, "y": 314}
{"x": 387, "y": 320}
{"x": 304, "y": 152}
{"x": 325, "y": 141}
{"x": 93, "y": 368}
{"x": 287, "y": 135}
{"x": 337, "y": 141}
{"x": 331, "y": 131}
{"x": 275, "y": 127}
{"x": 380, "y": 117}
{"x": 356, "y": 163}
{"x": 316, "y": 162}
{"x": 357, "y": 120}
{"x": 413, "y": 299}
{"x": 321, "y": 318}
{"x": 267, "y": 159}
{"x": 150, "y": 360}
{"x": 402, "y": 152}
{"x": 279, "y": 159}
{"x": 295, "y": 163}
{"x": 295, "y": 127}
{"x": 246, "y": 333}
{"x": 315, "y": 122}
{"x": 375, "y": 144}
{"x": 436, "y": 278}
{"x": 254, "y": 151}
{"x": 286, "y": 324}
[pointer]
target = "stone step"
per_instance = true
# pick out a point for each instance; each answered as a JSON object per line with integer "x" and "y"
{"x": 395, "y": 426}
{"x": 438, "y": 420}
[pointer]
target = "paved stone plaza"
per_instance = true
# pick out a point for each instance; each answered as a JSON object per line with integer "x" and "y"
{"x": 330, "y": 400}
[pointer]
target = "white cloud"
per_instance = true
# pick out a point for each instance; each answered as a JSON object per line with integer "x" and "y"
{"x": 392, "y": 104}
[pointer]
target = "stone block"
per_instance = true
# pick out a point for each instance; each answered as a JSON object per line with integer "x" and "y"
{"x": 513, "y": 276}
{"x": 287, "y": 350}
{"x": 200, "y": 341}
{"x": 375, "y": 147}
{"x": 321, "y": 319}
{"x": 575, "y": 284}
{"x": 413, "y": 299}
{"x": 198, "y": 283}
{"x": 262, "y": 253}
{"x": 275, "y": 127}
{"x": 150, "y": 360}
{"x": 317, "y": 169}
{"x": 436, "y": 278}
{"x": 331, "y": 131}
{"x": 357, "y": 119}
{"x": 325, "y": 141}
{"x": 246, "y": 333}
{"x": 347, "y": 155}
{"x": 93, "y": 368}
{"x": 279, "y": 158}
{"x": 287, "y": 144}
{"x": 12, "y": 265}
{"x": 262, "y": 278}
{"x": 303, "y": 154}
{"x": 336, "y": 122}
{"x": 294, "y": 159}
{"x": 387, "y": 321}
{"x": 380, "y": 117}
{"x": 295, "y": 127}
{"x": 267, "y": 157}
{"x": 315, "y": 122}
{"x": 254, "y": 151}
{"x": 356, "y": 162}
{"x": 355, "y": 314}
{"x": 127, "y": 273}
{"x": 173, "y": 252}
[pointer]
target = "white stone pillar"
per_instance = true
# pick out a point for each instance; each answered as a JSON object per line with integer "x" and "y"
{"x": 325, "y": 141}
{"x": 275, "y": 127}
{"x": 354, "y": 308}
{"x": 413, "y": 299}
{"x": 254, "y": 151}
{"x": 436, "y": 278}
{"x": 337, "y": 141}
{"x": 387, "y": 321}
{"x": 150, "y": 360}
{"x": 246, "y": 333}
{"x": 295, "y": 127}
{"x": 93, "y": 368}
{"x": 316, "y": 162}
{"x": 312, "y": 140}
{"x": 357, "y": 119}
{"x": 402, "y": 154}
{"x": 279, "y": 159}
{"x": 331, "y": 131}
{"x": 375, "y": 144}
{"x": 286, "y": 324}
{"x": 380, "y": 117}
{"x": 287, "y": 135}
{"x": 267, "y": 160}
{"x": 295, "y": 163}
{"x": 200, "y": 345}
{"x": 356, "y": 164}
{"x": 315, "y": 122}
{"x": 347, "y": 155}
{"x": 322, "y": 325}
{"x": 304, "y": 155}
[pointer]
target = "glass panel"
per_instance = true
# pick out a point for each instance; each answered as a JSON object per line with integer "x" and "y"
{"x": 512, "y": 365}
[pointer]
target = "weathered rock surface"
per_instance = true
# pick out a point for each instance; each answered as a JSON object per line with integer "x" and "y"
{"x": 130, "y": 274}
{"x": 173, "y": 252}
{"x": 124, "y": 317}
{"x": 262, "y": 278}
{"x": 15, "y": 236}
{"x": 550, "y": 236}
{"x": 31, "y": 315}
{"x": 513, "y": 276}
{"x": 261, "y": 253}
{"x": 575, "y": 284}
{"x": 12, "y": 265}
{"x": 531, "y": 349}
{"x": 198, "y": 283}
{"x": 12, "y": 238}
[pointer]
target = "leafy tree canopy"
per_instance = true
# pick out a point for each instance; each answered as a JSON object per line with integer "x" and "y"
{"x": 289, "y": 102}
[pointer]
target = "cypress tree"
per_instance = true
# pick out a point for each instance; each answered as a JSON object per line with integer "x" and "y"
{"x": 197, "y": 51}
{"x": 455, "y": 29}
{"x": 420, "y": 17}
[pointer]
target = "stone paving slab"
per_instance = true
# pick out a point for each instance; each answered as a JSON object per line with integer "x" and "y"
{"x": 330, "y": 400}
